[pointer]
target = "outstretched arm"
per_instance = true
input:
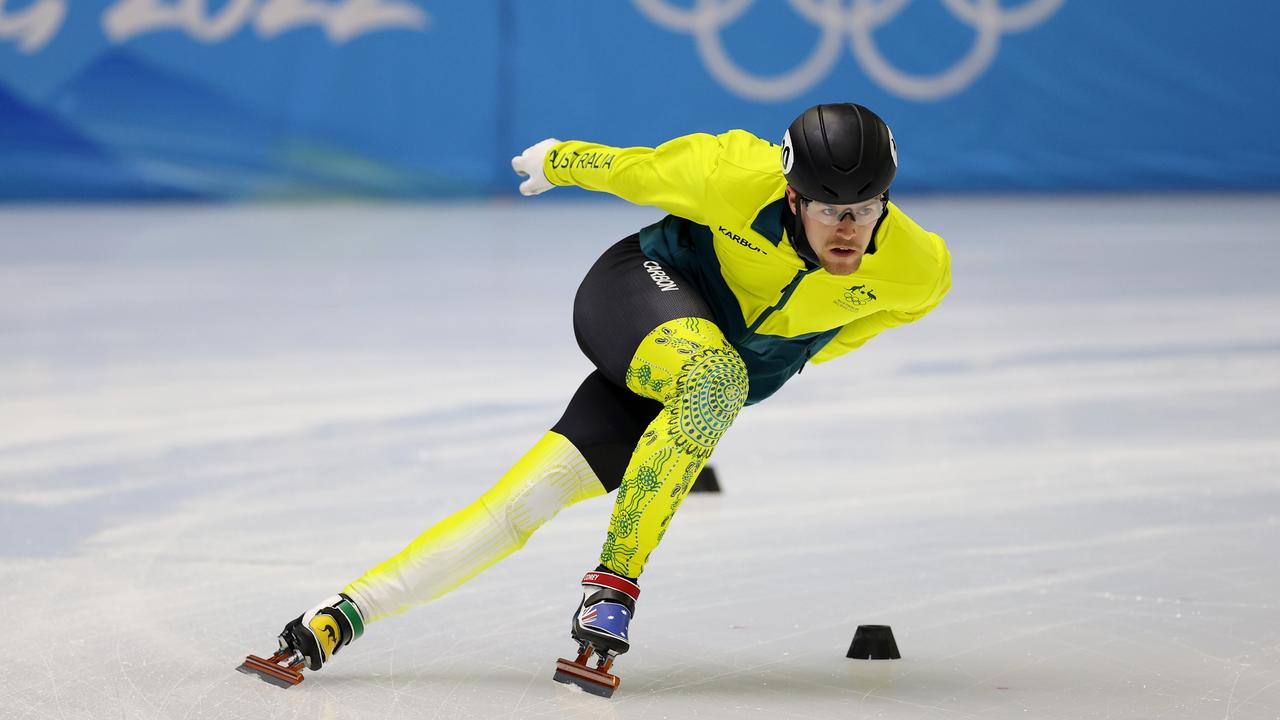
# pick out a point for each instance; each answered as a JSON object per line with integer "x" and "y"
{"x": 672, "y": 176}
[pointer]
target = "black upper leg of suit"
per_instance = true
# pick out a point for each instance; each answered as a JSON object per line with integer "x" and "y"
{"x": 622, "y": 299}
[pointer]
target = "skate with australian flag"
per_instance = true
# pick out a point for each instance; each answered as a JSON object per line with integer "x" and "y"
{"x": 600, "y": 626}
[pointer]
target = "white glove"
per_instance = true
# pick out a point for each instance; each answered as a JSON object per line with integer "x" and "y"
{"x": 528, "y": 164}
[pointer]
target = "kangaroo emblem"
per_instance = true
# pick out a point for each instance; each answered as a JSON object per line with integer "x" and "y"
{"x": 859, "y": 295}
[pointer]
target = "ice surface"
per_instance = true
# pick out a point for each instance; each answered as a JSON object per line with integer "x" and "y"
{"x": 1061, "y": 490}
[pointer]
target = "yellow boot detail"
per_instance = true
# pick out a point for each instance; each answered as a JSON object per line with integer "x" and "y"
{"x": 327, "y": 633}
{"x": 550, "y": 477}
{"x": 701, "y": 381}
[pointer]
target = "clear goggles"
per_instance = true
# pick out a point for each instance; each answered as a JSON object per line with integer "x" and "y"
{"x": 866, "y": 213}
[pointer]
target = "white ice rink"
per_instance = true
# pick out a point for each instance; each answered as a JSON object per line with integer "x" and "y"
{"x": 1061, "y": 490}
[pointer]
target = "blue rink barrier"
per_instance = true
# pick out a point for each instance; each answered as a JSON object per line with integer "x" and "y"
{"x": 417, "y": 98}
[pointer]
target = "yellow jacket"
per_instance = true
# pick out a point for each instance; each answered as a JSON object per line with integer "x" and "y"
{"x": 727, "y": 234}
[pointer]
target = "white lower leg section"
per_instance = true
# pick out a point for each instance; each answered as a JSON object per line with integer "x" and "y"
{"x": 550, "y": 477}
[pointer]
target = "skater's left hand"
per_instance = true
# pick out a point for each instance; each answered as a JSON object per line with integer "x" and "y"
{"x": 529, "y": 164}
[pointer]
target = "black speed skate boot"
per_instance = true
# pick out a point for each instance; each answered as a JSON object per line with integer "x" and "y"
{"x": 600, "y": 626}
{"x": 309, "y": 640}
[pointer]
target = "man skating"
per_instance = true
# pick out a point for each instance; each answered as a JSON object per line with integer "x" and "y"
{"x": 771, "y": 257}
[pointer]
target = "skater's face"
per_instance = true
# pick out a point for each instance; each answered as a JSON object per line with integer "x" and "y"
{"x": 839, "y": 234}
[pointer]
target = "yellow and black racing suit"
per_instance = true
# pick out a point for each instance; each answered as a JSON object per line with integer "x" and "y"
{"x": 703, "y": 312}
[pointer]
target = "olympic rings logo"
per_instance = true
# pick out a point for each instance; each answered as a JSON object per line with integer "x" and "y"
{"x": 858, "y": 22}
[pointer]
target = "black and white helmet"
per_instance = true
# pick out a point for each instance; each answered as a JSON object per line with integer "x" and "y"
{"x": 839, "y": 154}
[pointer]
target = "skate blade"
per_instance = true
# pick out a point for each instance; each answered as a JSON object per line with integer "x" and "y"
{"x": 273, "y": 670}
{"x": 596, "y": 682}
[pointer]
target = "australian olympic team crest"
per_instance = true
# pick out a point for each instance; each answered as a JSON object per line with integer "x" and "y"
{"x": 856, "y": 21}
{"x": 857, "y": 298}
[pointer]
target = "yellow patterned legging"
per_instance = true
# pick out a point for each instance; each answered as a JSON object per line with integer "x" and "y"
{"x": 685, "y": 364}
{"x": 701, "y": 381}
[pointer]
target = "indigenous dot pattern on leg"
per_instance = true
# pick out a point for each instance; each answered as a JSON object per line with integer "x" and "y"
{"x": 712, "y": 390}
{"x": 690, "y": 368}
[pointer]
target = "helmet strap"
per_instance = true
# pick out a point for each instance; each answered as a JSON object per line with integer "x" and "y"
{"x": 799, "y": 240}
{"x": 871, "y": 246}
